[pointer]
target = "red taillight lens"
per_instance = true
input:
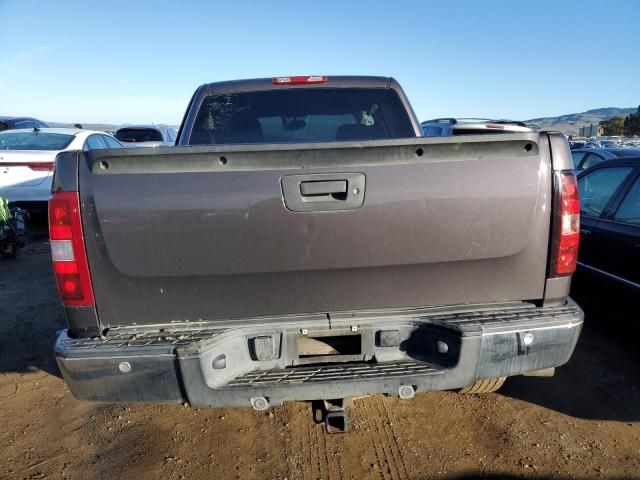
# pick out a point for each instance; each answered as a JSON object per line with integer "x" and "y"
{"x": 300, "y": 80}
{"x": 42, "y": 166}
{"x": 566, "y": 230}
{"x": 68, "y": 251}
{"x": 36, "y": 166}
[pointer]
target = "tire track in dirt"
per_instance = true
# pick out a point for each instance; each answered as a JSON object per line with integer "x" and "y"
{"x": 320, "y": 447}
{"x": 305, "y": 457}
{"x": 380, "y": 458}
{"x": 393, "y": 437}
{"x": 315, "y": 467}
{"x": 391, "y": 468}
{"x": 260, "y": 449}
{"x": 392, "y": 443}
{"x": 310, "y": 454}
{"x": 289, "y": 454}
{"x": 333, "y": 461}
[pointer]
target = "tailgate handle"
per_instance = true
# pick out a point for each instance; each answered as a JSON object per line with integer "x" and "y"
{"x": 323, "y": 192}
{"x": 336, "y": 189}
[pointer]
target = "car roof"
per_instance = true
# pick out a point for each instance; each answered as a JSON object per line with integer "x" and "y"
{"x": 66, "y": 131}
{"x": 625, "y": 152}
{"x": 618, "y": 152}
{"x": 155, "y": 127}
{"x": 9, "y": 117}
{"x": 481, "y": 121}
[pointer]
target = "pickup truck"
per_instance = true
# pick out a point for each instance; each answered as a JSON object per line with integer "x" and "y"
{"x": 303, "y": 241}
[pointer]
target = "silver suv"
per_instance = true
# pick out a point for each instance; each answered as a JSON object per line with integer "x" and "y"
{"x": 446, "y": 127}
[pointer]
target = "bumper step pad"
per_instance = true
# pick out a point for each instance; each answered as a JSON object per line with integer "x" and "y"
{"x": 331, "y": 373}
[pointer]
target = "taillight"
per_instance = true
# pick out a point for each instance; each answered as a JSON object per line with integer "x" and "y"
{"x": 300, "y": 80}
{"x": 42, "y": 166}
{"x": 566, "y": 227}
{"x": 36, "y": 166}
{"x": 67, "y": 250}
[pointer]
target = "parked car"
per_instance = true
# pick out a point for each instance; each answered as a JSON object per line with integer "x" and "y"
{"x": 27, "y": 160}
{"x": 584, "y": 158}
{"x": 610, "y": 223}
{"x": 12, "y": 123}
{"x": 146, "y": 135}
{"x": 315, "y": 247}
{"x": 446, "y": 127}
{"x": 610, "y": 143}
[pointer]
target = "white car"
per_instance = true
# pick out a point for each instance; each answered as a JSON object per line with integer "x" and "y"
{"x": 27, "y": 158}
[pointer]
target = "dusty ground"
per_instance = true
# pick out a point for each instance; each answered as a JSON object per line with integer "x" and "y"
{"x": 583, "y": 423}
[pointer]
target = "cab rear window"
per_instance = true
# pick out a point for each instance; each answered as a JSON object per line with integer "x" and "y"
{"x": 299, "y": 115}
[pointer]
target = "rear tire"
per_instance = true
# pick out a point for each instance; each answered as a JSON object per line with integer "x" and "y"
{"x": 485, "y": 385}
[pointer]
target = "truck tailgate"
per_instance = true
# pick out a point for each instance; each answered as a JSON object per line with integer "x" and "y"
{"x": 204, "y": 233}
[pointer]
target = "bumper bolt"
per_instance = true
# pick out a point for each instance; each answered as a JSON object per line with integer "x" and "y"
{"x": 259, "y": 403}
{"x": 405, "y": 392}
{"x": 442, "y": 347}
{"x": 124, "y": 367}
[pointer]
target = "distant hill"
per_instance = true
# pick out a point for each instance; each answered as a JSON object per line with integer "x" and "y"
{"x": 570, "y": 124}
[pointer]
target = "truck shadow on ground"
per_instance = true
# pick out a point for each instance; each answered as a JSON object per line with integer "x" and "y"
{"x": 30, "y": 309}
{"x": 490, "y": 476}
{"x": 600, "y": 382}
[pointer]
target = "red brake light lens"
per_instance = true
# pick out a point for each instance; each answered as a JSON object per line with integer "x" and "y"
{"x": 300, "y": 80}
{"x": 42, "y": 166}
{"x": 567, "y": 225}
{"x": 35, "y": 166}
{"x": 68, "y": 251}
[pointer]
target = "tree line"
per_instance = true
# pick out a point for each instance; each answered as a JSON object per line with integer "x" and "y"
{"x": 622, "y": 126}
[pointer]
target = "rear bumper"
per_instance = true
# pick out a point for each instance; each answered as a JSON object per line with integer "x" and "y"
{"x": 28, "y": 193}
{"x": 213, "y": 367}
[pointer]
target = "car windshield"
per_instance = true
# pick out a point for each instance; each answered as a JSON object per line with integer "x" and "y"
{"x": 138, "y": 135}
{"x": 34, "y": 141}
{"x": 301, "y": 115}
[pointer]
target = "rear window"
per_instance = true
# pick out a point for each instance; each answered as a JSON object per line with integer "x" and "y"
{"x": 138, "y": 135}
{"x": 34, "y": 141}
{"x": 299, "y": 115}
{"x": 433, "y": 131}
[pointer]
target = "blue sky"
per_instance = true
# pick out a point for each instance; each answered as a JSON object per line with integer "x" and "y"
{"x": 140, "y": 61}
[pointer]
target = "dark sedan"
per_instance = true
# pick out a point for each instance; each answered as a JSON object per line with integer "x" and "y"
{"x": 610, "y": 223}
{"x": 11, "y": 123}
{"x": 584, "y": 158}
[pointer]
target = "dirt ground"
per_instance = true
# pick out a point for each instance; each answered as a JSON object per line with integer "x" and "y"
{"x": 582, "y": 423}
